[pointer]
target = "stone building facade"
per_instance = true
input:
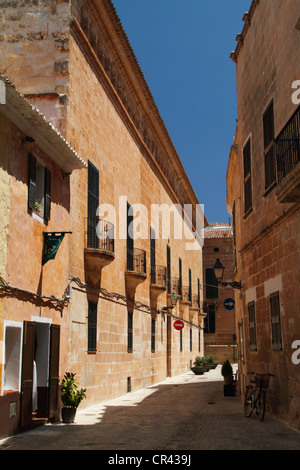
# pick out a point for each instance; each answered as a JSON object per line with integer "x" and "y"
{"x": 35, "y": 206}
{"x": 219, "y": 324}
{"x": 263, "y": 198}
{"x": 73, "y": 61}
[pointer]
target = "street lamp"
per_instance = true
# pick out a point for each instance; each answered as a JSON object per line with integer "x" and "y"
{"x": 173, "y": 302}
{"x": 219, "y": 271}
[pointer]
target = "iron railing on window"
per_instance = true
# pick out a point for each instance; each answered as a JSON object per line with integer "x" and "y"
{"x": 136, "y": 260}
{"x": 159, "y": 275}
{"x": 288, "y": 147}
{"x": 100, "y": 234}
{"x": 176, "y": 287}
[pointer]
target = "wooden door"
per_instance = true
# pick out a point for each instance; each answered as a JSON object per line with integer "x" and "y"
{"x": 27, "y": 373}
{"x": 54, "y": 372}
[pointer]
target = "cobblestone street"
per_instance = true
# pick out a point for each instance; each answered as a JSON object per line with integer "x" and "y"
{"x": 188, "y": 412}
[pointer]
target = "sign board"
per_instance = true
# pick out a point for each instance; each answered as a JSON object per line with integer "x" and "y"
{"x": 229, "y": 304}
{"x": 178, "y": 325}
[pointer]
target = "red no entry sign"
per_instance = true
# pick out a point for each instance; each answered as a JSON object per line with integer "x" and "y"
{"x": 178, "y": 325}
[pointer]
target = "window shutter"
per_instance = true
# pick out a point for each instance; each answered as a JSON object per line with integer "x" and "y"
{"x": 275, "y": 321}
{"x": 169, "y": 269}
{"x": 190, "y": 285}
{"x": 268, "y": 128}
{"x": 247, "y": 177}
{"x": 129, "y": 238}
{"x": 130, "y": 331}
{"x": 252, "y": 325}
{"x": 31, "y": 181}
{"x": 93, "y": 204}
{"x": 180, "y": 278}
{"x": 212, "y": 290}
{"x": 152, "y": 256}
{"x": 92, "y": 327}
{"x": 47, "y": 200}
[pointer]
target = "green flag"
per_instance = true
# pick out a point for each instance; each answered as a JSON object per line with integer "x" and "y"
{"x": 52, "y": 242}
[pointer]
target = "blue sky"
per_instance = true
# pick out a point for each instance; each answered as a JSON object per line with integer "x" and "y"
{"x": 183, "y": 49}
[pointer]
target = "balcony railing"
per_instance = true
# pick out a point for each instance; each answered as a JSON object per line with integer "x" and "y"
{"x": 136, "y": 260}
{"x": 100, "y": 234}
{"x": 176, "y": 287}
{"x": 288, "y": 147}
{"x": 159, "y": 276}
{"x": 186, "y": 294}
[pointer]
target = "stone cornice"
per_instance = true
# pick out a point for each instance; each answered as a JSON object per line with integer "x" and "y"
{"x": 240, "y": 38}
{"x": 105, "y": 12}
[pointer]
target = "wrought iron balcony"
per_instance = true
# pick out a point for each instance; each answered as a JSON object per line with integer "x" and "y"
{"x": 100, "y": 234}
{"x": 136, "y": 270}
{"x": 136, "y": 260}
{"x": 176, "y": 287}
{"x": 287, "y": 146}
{"x": 99, "y": 247}
{"x": 159, "y": 276}
{"x": 186, "y": 294}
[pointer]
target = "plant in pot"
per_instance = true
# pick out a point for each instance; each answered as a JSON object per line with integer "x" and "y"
{"x": 227, "y": 372}
{"x": 211, "y": 362}
{"x": 71, "y": 397}
{"x": 199, "y": 366}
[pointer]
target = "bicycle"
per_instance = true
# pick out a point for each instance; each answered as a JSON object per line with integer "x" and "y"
{"x": 255, "y": 396}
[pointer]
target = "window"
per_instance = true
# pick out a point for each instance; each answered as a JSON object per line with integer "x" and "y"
{"x": 153, "y": 322}
{"x": 169, "y": 269}
{"x": 152, "y": 256}
{"x": 191, "y": 339}
{"x": 199, "y": 341}
{"x": 39, "y": 188}
{"x": 212, "y": 289}
{"x": 210, "y": 320}
{"x": 269, "y": 148}
{"x": 190, "y": 285}
{"x": 252, "y": 326}
{"x": 247, "y": 177}
{"x": 93, "y": 204}
{"x": 180, "y": 278}
{"x": 180, "y": 340}
{"x": 92, "y": 327}
{"x": 275, "y": 321}
{"x": 130, "y": 332}
{"x": 129, "y": 238}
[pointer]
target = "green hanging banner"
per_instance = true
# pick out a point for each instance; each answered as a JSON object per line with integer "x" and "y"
{"x": 52, "y": 242}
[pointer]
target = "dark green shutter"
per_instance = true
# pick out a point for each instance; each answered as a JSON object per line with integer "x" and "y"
{"x": 129, "y": 238}
{"x": 93, "y": 204}
{"x": 31, "y": 181}
{"x": 47, "y": 200}
{"x": 212, "y": 290}
{"x": 180, "y": 278}
{"x": 169, "y": 269}
{"x": 130, "y": 331}
{"x": 92, "y": 327}
{"x": 152, "y": 256}
{"x": 190, "y": 285}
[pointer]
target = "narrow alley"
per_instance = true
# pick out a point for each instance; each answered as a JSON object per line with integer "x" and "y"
{"x": 185, "y": 413}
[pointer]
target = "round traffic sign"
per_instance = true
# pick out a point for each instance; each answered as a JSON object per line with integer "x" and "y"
{"x": 229, "y": 304}
{"x": 178, "y": 325}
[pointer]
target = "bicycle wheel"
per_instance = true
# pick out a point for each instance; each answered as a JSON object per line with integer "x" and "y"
{"x": 248, "y": 402}
{"x": 261, "y": 405}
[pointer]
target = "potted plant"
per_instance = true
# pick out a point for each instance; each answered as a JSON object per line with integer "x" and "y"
{"x": 199, "y": 366}
{"x": 71, "y": 397}
{"x": 211, "y": 362}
